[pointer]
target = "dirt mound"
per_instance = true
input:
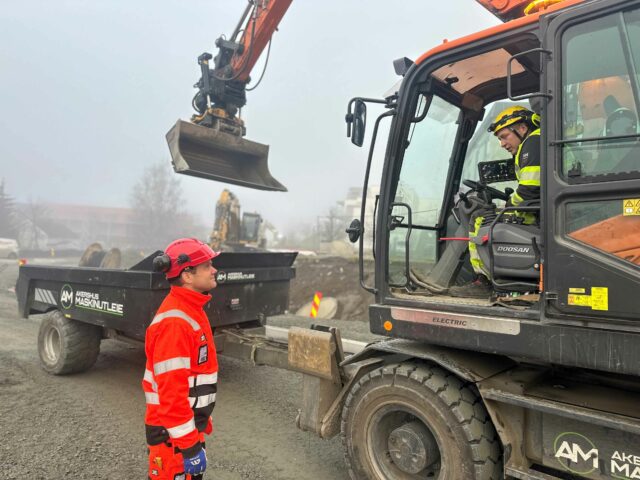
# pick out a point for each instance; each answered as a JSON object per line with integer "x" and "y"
{"x": 334, "y": 277}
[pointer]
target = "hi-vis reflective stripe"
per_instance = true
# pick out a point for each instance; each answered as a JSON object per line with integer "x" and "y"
{"x": 176, "y": 313}
{"x": 529, "y": 176}
{"x": 204, "y": 379}
{"x": 44, "y": 296}
{"x": 152, "y": 398}
{"x": 172, "y": 364}
{"x": 207, "y": 379}
{"x": 203, "y": 401}
{"x": 516, "y": 199}
{"x": 148, "y": 377}
{"x": 182, "y": 430}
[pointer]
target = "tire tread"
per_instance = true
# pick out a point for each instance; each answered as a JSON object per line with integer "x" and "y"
{"x": 81, "y": 344}
{"x": 465, "y": 405}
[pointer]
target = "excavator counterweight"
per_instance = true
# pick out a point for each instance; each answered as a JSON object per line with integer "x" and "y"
{"x": 216, "y": 155}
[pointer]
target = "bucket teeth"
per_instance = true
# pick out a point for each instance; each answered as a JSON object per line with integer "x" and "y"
{"x": 215, "y": 155}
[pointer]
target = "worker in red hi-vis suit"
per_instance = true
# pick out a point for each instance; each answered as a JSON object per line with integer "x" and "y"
{"x": 180, "y": 380}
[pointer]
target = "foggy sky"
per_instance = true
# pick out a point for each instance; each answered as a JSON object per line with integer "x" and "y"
{"x": 89, "y": 89}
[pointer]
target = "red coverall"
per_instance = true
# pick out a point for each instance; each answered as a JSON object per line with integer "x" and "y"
{"x": 180, "y": 382}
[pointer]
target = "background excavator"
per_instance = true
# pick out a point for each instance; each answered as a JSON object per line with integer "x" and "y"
{"x": 234, "y": 231}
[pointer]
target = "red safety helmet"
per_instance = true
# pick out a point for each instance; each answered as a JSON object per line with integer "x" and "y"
{"x": 183, "y": 253}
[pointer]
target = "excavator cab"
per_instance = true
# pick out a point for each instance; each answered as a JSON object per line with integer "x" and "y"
{"x": 441, "y": 163}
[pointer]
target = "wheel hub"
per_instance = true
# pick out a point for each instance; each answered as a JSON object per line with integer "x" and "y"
{"x": 412, "y": 447}
{"x": 52, "y": 345}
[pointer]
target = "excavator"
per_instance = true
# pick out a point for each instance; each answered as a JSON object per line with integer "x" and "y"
{"x": 212, "y": 144}
{"x": 233, "y": 232}
{"x": 541, "y": 379}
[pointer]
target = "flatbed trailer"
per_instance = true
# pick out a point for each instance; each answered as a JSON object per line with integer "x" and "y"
{"x": 85, "y": 304}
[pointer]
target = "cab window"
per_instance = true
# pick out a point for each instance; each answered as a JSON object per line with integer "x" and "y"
{"x": 600, "y": 131}
{"x": 421, "y": 186}
{"x": 600, "y": 99}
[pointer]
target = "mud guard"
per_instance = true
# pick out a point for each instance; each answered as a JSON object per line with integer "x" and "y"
{"x": 216, "y": 155}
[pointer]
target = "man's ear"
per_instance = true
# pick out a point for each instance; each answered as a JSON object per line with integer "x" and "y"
{"x": 523, "y": 129}
{"x": 186, "y": 277}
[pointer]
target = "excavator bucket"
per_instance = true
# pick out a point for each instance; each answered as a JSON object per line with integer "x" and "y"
{"x": 208, "y": 153}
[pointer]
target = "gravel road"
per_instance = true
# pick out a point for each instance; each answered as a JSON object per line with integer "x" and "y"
{"x": 90, "y": 425}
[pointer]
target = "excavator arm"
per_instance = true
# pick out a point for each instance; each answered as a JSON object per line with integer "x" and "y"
{"x": 223, "y": 87}
{"x": 212, "y": 145}
{"x": 507, "y": 10}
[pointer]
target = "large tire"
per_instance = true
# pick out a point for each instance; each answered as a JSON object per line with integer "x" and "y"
{"x": 67, "y": 346}
{"x": 415, "y": 421}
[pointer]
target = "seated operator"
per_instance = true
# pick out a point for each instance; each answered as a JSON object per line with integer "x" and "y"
{"x": 518, "y": 130}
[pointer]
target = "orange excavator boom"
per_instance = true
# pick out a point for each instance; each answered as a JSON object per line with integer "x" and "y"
{"x": 507, "y": 10}
{"x": 212, "y": 146}
{"x": 256, "y": 35}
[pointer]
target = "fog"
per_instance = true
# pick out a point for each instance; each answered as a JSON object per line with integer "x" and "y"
{"x": 89, "y": 90}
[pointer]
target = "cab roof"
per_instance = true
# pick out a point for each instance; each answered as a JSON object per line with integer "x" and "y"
{"x": 511, "y": 25}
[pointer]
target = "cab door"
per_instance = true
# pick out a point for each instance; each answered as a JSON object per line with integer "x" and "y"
{"x": 591, "y": 165}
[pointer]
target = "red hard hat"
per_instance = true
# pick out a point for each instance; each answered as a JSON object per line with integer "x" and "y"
{"x": 183, "y": 253}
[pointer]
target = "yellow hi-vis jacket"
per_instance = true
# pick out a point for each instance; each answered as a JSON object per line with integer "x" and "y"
{"x": 527, "y": 163}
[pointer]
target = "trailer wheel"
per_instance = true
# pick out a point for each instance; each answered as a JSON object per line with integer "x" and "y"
{"x": 408, "y": 421}
{"x": 67, "y": 346}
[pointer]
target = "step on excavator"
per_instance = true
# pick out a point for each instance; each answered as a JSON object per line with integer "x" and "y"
{"x": 540, "y": 379}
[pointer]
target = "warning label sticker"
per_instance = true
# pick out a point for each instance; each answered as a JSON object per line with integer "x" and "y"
{"x": 631, "y": 206}
{"x": 598, "y": 300}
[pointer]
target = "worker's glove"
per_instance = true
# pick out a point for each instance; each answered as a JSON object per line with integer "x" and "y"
{"x": 196, "y": 464}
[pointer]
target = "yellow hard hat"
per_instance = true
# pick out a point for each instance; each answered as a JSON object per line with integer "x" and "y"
{"x": 512, "y": 115}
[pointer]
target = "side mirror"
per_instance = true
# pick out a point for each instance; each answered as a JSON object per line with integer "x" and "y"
{"x": 357, "y": 120}
{"x": 354, "y": 231}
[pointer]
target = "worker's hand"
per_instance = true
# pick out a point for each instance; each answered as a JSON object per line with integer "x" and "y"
{"x": 196, "y": 464}
{"x": 209, "y": 428}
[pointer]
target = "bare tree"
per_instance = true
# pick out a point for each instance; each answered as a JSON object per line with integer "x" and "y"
{"x": 8, "y": 226}
{"x": 157, "y": 200}
{"x": 332, "y": 226}
{"x": 31, "y": 221}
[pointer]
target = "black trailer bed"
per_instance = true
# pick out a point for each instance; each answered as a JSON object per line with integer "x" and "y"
{"x": 251, "y": 285}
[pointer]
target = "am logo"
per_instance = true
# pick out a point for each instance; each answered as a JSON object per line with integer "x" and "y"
{"x": 576, "y": 453}
{"x": 66, "y": 296}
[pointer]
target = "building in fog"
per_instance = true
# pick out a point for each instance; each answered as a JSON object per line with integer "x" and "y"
{"x": 73, "y": 227}
{"x": 349, "y": 209}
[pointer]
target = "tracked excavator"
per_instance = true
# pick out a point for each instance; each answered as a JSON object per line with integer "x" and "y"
{"x": 234, "y": 231}
{"x": 541, "y": 379}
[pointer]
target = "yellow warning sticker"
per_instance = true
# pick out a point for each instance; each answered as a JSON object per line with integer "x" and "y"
{"x": 579, "y": 300}
{"x": 577, "y": 290}
{"x": 631, "y": 207}
{"x": 598, "y": 300}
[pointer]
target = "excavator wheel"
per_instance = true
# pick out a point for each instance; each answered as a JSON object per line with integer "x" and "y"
{"x": 414, "y": 421}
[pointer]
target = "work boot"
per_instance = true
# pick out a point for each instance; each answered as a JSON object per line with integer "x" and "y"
{"x": 479, "y": 288}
